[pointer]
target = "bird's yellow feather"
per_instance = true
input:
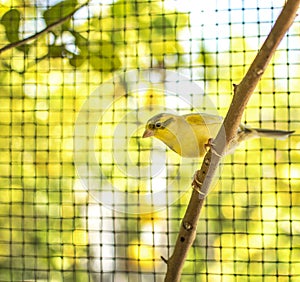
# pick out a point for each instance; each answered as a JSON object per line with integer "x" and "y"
{"x": 203, "y": 118}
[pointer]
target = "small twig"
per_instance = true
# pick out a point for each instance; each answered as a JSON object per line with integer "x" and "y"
{"x": 242, "y": 93}
{"x": 38, "y": 34}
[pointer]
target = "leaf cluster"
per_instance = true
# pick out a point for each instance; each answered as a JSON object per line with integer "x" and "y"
{"x": 115, "y": 37}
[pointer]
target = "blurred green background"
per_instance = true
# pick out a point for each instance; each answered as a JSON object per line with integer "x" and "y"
{"x": 50, "y": 226}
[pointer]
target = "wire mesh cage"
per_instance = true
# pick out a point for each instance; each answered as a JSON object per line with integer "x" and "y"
{"x": 85, "y": 198}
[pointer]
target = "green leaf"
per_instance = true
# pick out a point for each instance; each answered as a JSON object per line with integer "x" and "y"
{"x": 57, "y": 51}
{"x": 58, "y": 11}
{"x": 105, "y": 64}
{"x": 77, "y": 60}
{"x": 162, "y": 25}
{"x": 101, "y": 54}
{"x": 11, "y": 22}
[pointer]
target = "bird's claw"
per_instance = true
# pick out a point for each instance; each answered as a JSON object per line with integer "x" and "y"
{"x": 211, "y": 145}
{"x": 197, "y": 185}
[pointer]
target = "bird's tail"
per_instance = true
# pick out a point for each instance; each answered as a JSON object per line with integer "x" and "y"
{"x": 246, "y": 133}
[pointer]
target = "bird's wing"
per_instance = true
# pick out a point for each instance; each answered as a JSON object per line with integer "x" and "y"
{"x": 202, "y": 118}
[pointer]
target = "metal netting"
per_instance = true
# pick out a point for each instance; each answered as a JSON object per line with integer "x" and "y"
{"x": 85, "y": 198}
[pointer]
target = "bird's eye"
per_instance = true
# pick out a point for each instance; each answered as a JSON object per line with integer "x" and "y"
{"x": 158, "y": 125}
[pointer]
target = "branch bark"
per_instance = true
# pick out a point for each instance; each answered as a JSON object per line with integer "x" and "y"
{"x": 38, "y": 34}
{"x": 204, "y": 176}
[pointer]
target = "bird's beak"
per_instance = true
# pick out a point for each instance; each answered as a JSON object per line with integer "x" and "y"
{"x": 148, "y": 133}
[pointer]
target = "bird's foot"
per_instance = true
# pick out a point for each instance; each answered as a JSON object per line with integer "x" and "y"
{"x": 197, "y": 184}
{"x": 211, "y": 145}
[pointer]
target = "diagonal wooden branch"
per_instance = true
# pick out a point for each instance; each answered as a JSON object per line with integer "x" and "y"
{"x": 204, "y": 176}
{"x": 38, "y": 34}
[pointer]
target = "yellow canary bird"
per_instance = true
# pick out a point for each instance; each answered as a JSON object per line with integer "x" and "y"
{"x": 190, "y": 135}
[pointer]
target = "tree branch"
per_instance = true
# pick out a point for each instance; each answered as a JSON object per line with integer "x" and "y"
{"x": 38, "y": 34}
{"x": 204, "y": 176}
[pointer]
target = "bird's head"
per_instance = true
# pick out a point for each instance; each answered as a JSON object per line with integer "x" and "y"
{"x": 159, "y": 125}
{"x": 175, "y": 131}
